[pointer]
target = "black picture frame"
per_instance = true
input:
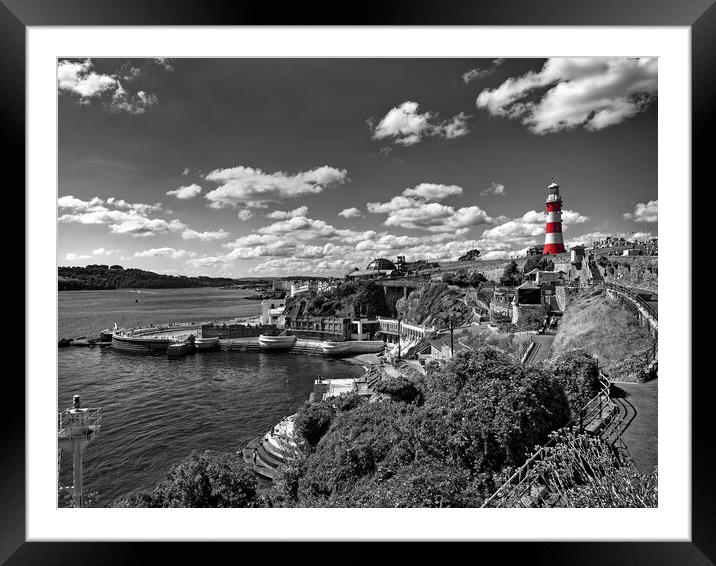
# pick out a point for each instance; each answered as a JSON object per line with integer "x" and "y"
{"x": 699, "y": 15}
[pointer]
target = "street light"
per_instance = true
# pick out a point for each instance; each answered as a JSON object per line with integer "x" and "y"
{"x": 399, "y": 321}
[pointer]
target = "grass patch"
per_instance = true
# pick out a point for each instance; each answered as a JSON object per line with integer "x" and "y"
{"x": 608, "y": 329}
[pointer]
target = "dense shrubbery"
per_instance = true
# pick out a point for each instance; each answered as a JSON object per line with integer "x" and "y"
{"x": 201, "y": 480}
{"x": 400, "y": 389}
{"x": 442, "y": 439}
{"x": 543, "y": 263}
{"x": 511, "y": 275}
{"x": 464, "y": 278}
{"x": 437, "y": 441}
{"x": 509, "y": 342}
{"x": 364, "y": 297}
{"x": 426, "y": 306}
{"x": 579, "y": 470}
{"x": 115, "y": 277}
{"x": 578, "y": 374}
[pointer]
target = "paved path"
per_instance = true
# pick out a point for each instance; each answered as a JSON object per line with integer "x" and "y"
{"x": 543, "y": 345}
{"x": 637, "y": 404}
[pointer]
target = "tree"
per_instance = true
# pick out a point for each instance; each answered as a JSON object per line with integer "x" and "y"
{"x": 511, "y": 274}
{"x": 542, "y": 263}
{"x": 451, "y": 319}
{"x": 479, "y": 412}
{"x": 201, "y": 480}
{"x": 578, "y": 374}
{"x": 472, "y": 255}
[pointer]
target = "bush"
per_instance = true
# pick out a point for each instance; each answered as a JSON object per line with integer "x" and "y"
{"x": 400, "y": 389}
{"x": 578, "y": 374}
{"x": 201, "y": 480}
{"x": 580, "y": 470}
{"x": 313, "y": 421}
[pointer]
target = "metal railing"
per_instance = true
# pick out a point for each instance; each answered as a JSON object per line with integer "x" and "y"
{"x": 69, "y": 424}
{"x": 634, "y": 296}
{"x": 525, "y": 484}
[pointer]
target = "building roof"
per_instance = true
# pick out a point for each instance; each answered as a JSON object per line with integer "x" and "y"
{"x": 381, "y": 264}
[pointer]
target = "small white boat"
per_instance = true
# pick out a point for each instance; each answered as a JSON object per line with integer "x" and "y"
{"x": 206, "y": 343}
{"x": 352, "y": 347}
{"x": 276, "y": 342}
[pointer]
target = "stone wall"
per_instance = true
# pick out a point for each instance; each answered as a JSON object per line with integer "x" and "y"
{"x": 226, "y": 331}
{"x": 637, "y": 272}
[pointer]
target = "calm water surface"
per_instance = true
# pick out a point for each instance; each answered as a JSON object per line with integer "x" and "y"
{"x": 157, "y": 410}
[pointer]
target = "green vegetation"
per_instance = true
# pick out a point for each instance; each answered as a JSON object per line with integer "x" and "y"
{"x": 478, "y": 337}
{"x": 608, "y": 329}
{"x": 511, "y": 275}
{"x": 349, "y": 298}
{"x": 543, "y": 263}
{"x": 201, "y": 480}
{"x": 464, "y": 278}
{"x": 579, "y": 470}
{"x": 448, "y": 438}
{"x": 436, "y": 442}
{"x": 426, "y": 306}
{"x": 472, "y": 255}
{"x": 116, "y": 277}
{"x": 578, "y": 374}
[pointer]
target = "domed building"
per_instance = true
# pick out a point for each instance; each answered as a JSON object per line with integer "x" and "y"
{"x": 376, "y": 269}
{"x": 381, "y": 264}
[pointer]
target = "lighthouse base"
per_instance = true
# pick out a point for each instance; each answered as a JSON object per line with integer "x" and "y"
{"x": 553, "y": 249}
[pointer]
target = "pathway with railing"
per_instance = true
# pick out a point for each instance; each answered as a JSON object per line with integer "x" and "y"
{"x": 600, "y": 416}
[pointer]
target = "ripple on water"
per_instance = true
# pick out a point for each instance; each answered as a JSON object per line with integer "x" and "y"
{"x": 156, "y": 410}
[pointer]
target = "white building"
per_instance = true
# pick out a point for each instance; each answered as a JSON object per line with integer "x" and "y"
{"x": 271, "y": 310}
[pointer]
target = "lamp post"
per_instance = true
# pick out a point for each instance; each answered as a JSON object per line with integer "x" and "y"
{"x": 399, "y": 321}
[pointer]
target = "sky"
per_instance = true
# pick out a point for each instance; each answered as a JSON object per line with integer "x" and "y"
{"x": 277, "y": 167}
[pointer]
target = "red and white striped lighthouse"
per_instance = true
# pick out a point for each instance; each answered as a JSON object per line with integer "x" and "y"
{"x": 553, "y": 242}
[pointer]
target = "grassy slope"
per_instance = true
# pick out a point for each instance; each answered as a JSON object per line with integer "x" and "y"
{"x": 603, "y": 327}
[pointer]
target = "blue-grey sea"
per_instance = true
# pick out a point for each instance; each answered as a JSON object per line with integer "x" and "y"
{"x": 157, "y": 410}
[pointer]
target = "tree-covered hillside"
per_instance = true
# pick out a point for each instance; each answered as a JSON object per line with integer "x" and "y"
{"x": 116, "y": 277}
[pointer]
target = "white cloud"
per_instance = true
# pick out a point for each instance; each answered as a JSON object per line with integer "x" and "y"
{"x": 432, "y": 191}
{"x": 303, "y": 228}
{"x": 481, "y": 73}
{"x": 570, "y": 92}
{"x": 103, "y": 251}
{"x": 80, "y": 80}
{"x": 74, "y": 257}
{"x": 190, "y": 234}
{"x": 494, "y": 189}
{"x": 648, "y": 212}
{"x": 137, "y": 207}
{"x": 406, "y": 126}
{"x": 245, "y": 214}
{"x": 413, "y": 211}
{"x": 285, "y": 214}
{"x": 185, "y": 193}
{"x": 121, "y": 218}
{"x": 78, "y": 205}
{"x": 165, "y": 252}
{"x": 254, "y": 188}
{"x": 352, "y": 212}
{"x": 529, "y": 225}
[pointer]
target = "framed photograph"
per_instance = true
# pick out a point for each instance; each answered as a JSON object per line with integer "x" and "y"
{"x": 392, "y": 278}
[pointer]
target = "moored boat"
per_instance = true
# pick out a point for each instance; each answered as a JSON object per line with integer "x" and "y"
{"x": 141, "y": 344}
{"x": 207, "y": 343}
{"x": 276, "y": 342}
{"x": 352, "y": 347}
